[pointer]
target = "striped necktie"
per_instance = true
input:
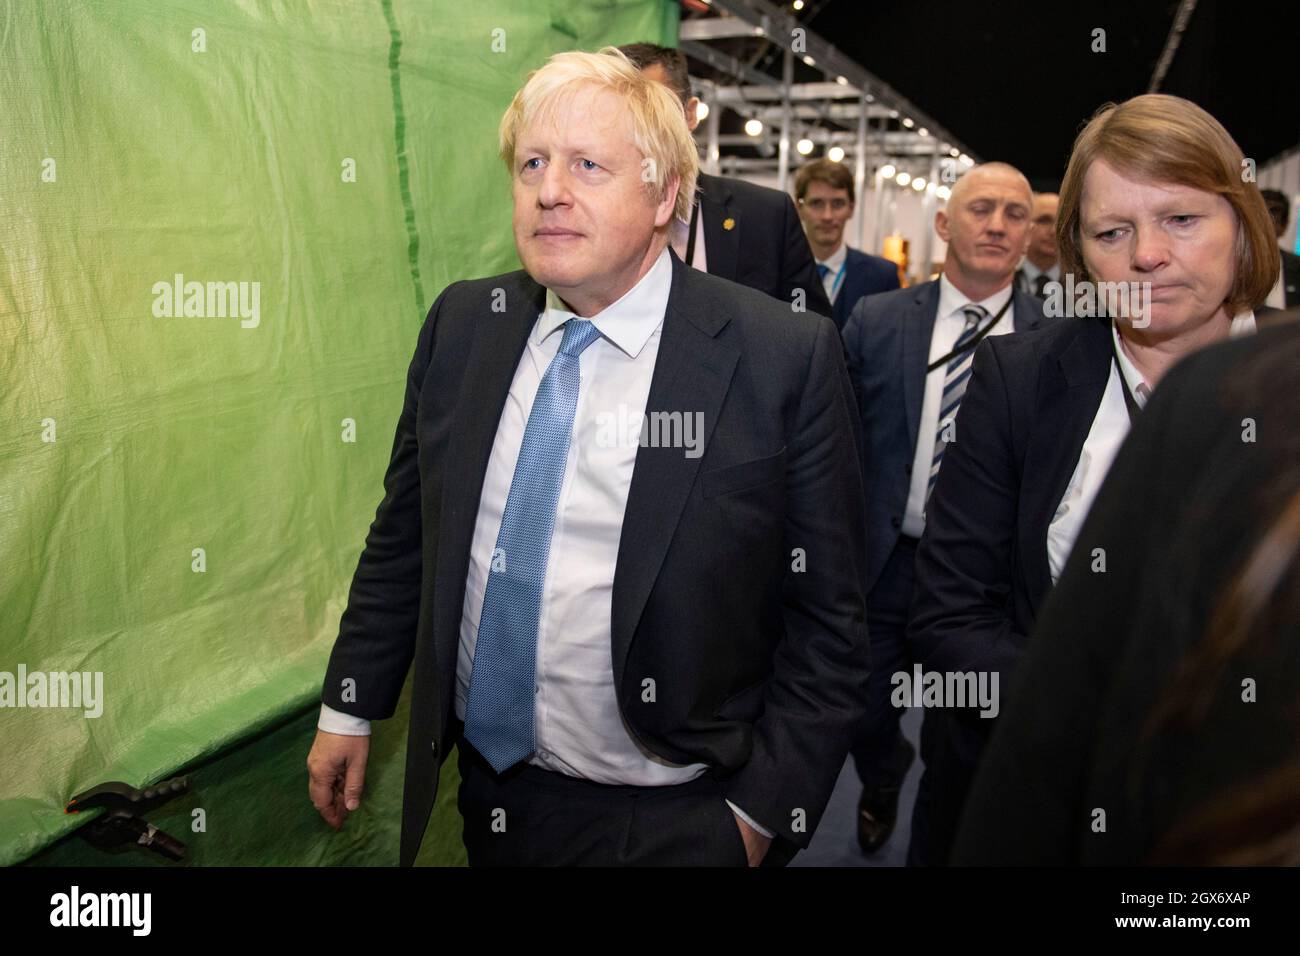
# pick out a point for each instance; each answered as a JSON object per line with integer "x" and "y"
{"x": 499, "y": 711}
{"x": 954, "y": 387}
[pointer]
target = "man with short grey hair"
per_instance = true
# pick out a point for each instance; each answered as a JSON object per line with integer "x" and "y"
{"x": 909, "y": 355}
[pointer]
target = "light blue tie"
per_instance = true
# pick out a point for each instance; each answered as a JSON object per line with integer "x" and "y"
{"x": 499, "y": 712}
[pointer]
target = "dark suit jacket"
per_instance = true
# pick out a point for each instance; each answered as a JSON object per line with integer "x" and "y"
{"x": 760, "y": 670}
{"x": 887, "y": 344}
{"x": 1183, "y": 506}
{"x": 765, "y": 248}
{"x": 1291, "y": 278}
{"x": 864, "y": 275}
{"x": 981, "y": 569}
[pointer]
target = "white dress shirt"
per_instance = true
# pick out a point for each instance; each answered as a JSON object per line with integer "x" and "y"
{"x": 579, "y": 728}
{"x": 1109, "y": 428}
{"x": 949, "y": 321}
{"x": 833, "y": 281}
{"x": 679, "y": 234}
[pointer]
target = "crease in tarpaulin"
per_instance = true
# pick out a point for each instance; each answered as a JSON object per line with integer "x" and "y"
{"x": 399, "y": 140}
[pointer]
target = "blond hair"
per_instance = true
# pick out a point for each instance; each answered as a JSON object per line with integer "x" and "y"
{"x": 659, "y": 128}
{"x": 1167, "y": 139}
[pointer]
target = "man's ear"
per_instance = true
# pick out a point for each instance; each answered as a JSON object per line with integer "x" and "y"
{"x": 693, "y": 113}
{"x": 664, "y": 210}
{"x": 941, "y": 225}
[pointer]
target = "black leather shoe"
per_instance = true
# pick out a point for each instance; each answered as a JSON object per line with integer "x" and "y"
{"x": 878, "y": 806}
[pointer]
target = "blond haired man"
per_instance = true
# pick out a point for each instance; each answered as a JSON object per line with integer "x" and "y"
{"x": 623, "y": 529}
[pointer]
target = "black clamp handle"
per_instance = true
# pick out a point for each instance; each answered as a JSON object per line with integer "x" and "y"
{"x": 122, "y": 822}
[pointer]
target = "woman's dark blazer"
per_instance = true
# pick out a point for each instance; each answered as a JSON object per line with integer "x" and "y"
{"x": 1212, "y": 461}
{"x": 981, "y": 569}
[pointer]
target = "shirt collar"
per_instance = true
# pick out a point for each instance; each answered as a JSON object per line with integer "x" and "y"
{"x": 836, "y": 258}
{"x": 1032, "y": 271}
{"x": 1243, "y": 323}
{"x": 1137, "y": 385}
{"x": 952, "y": 300}
{"x": 630, "y": 321}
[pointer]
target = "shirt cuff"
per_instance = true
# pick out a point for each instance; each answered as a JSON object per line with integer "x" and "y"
{"x": 336, "y": 722}
{"x": 744, "y": 816}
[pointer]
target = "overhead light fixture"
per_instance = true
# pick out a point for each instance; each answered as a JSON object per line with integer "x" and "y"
{"x": 903, "y": 178}
{"x": 842, "y": 81}
{"x": 954, "y": 152}
{"x": 966, "y": 160}
{"x": 907, "y": 121}
{"x": 809, "y": 60}
{"x": 804, "y": 146}
{"x": 798, "y": 4}
{"x": 754, "y": 126}
{"x": 923, "y": 131}
{"x": 887, "y": 171}
{"x": 835, "y": 154}
{"x": 943, "y": 192}
{"x": 918, "y": 184}
{"x": 702, "y": 111}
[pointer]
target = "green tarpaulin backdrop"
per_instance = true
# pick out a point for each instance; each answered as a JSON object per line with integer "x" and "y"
{"x": 223, "y": 224}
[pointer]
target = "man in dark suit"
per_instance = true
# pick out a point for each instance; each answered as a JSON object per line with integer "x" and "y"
{"x": 622, "y": 533}
{"x": 1286, "y": 293}
{"x": 735, "y": 229}
{"x": 1042, "y": 262}
{"x": 909, "y": 355}
{"x": 824, "y": 193}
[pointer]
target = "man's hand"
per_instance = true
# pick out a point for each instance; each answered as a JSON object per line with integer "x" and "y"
{"x": 336, "y": 774}
{"x": 756, "y": 845}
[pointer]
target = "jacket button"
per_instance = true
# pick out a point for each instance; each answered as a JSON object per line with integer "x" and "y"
{"x": 435, "y": 748}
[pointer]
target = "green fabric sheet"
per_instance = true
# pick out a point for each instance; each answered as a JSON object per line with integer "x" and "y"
{"x": 223, "y": 225}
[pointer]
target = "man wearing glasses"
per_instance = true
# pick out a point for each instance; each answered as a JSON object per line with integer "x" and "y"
{"x": 825, "y": 193}
{"x": 1042, "y": 260}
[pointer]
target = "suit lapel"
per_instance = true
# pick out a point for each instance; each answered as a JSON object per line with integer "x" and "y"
{"x": 721, "y": 245}
{"x": 848, "y": 292}
{"x": 1070, "y": 389}
{"x": 1026, "y": 311}
{"x": 692, "y": 373}
{"x": 494, "y": 354}
{"x": 918, "y": 328}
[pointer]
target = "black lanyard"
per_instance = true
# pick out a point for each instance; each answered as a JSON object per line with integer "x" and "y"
{"x": 972, "y": 341}
{"x": 690, "y": 243}
{"x": 1130, "y": 402}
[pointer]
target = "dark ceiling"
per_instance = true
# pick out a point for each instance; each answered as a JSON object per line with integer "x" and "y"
{"x": 1015, "y": 79}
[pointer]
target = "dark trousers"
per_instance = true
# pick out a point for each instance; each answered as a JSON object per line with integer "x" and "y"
{"x": 877, "y": 741}
{"x": 950, "y": 749}
{"x": 533, "y": 817}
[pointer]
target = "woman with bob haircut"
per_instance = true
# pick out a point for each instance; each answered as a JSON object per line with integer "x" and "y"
{"x": 1154, "y": 196}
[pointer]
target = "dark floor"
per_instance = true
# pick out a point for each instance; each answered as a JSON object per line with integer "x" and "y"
{"x": 836, "y": 843}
